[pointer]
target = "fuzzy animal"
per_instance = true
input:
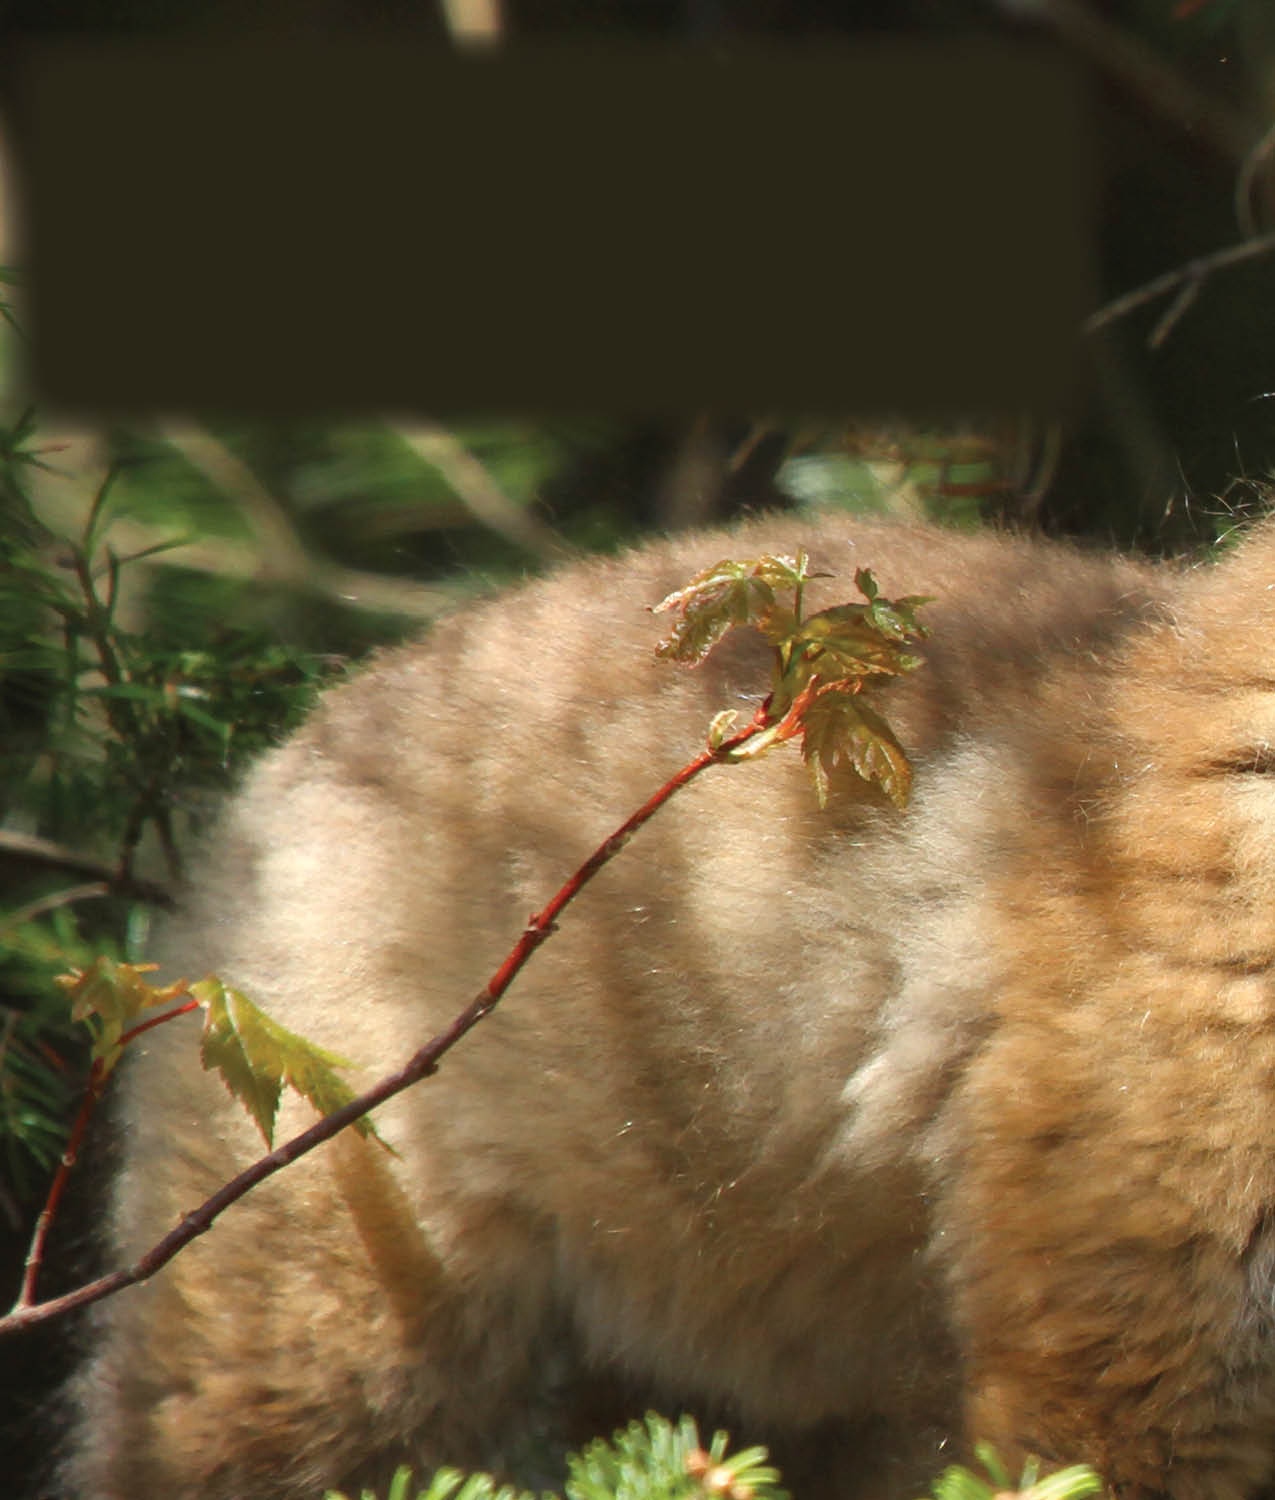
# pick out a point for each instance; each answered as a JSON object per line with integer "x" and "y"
{"x": 907, "y": 1127}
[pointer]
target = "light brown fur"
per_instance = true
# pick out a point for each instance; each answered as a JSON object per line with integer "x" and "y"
{"x": 953, "y": 1123}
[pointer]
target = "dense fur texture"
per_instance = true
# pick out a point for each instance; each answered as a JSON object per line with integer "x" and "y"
{"x": 951, "y": 1123}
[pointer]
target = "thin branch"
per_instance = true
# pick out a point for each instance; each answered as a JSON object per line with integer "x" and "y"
{"x": 422, "y": 1064}
{"x": 467, "y": 477}
{"x": 1186, "y": 280}
{"x": 282, "y": 553}
{"x": 1175, "y": 312}
{"x": 1247, "y": 179}
{"x": 61, "y": 506}
{"x": 94, "y": 891}
{"x": 758, "y": 432}
{"x": 60, "y": 857}
{"x": 1035, "y": 468}
{"x": 99, "y": 1072}
{"x": 797, "y": 685}
{"x": 1141, "y": 73}
{"x": 473, "y": 485}
{"x": 35, "y": 1254}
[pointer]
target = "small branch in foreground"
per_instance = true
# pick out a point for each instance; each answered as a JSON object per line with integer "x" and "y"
{"x": 60, "y": 857}
{"x": 821, "y": 664}
{"x": 476, "y": 489}
{"x": 422, "y": 1064}
{"x": 71, "y": 895}
{"x": 1186, "y": 280}
{"x": 1140, "y": 73}
{"x": 98, "y": 1075}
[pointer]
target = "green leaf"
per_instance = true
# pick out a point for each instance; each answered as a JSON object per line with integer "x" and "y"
{"x": 649, "y": 1460}
{"x": 447, "y": 1484}
{"x": 1074, "y": 1483}
{"x": 730, "y": 593}
{"x": 822, "y": 664}
{"x": 841, "y": 731}
{"x": 994, "y": 1464}
{"x": 256, "y": 1057}
{"x": 845, "y": 641}
{"x": 188, "y": 710}
{"x": 721, "y": 727}
{"x": 959, "y": 1483}
{"x": 656, "y": 1460}
{"x": 110, "y": 996}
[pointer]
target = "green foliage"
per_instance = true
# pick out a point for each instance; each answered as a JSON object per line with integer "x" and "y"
{"x": 109, "y": 997}
{"x": 447, "y": 1484}
{"x": 729, "y": 593}
{"x": 655, "y": 1460}
{"x": 650, "y": 1460}
{"x": 37, "y": 1085}
{"x": 254, "y": 1054}
{"x": 131, "y": 716}
{"x": 107, "y": 736}
{"x": 959, "y": 1483}
{"x": 256, "y": 1057}
{"x": 8, "y": 278}
{"x": 822, "y": 664}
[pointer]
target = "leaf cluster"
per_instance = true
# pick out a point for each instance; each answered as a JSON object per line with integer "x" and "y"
{"x": 109, "y": 998}
{"x": 653, "y": 1459}
{"x": 254, "y": 1054}
{"x": 659, "y": 1460}
{"x": 256, "y": 1057}
{"x": 822, "y": 664}
{"x": 128, "y": 717}
{"x": 106, "y": 736}
{"x": 959, "y": 1483}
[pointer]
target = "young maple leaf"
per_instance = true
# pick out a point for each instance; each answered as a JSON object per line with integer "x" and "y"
{"x": 256, "y": 1056}
{"x": 856, "y": 639}
{"x": 892, "y": 617}
{"x": 821, "y": 663}
{"x": 110, "y": 996}
{"x": 838, "y": 729}
{"x": 732, "y": 592}
{"x": 845, "y": 644}
{"x": 839, "y": 642}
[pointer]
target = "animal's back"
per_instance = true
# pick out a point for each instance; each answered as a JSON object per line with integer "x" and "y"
{"x": 902, "y": 1120}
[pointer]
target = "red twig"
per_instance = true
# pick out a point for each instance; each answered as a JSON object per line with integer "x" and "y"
{"x": 98, "y": 1074}
{"x": 422, "y": 1064}
{"x": 135, "y": 1031}
{"x": 35, "y": 1254}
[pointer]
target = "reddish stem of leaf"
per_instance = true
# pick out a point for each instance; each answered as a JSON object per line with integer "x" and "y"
{"x": 92, "y": 1093}
{"x": 35, "y": 1254}
{"x": 169, "y": 1015}
{"x": 422, "y": 1064}
{"x": 541, "y": 923}
{"x": 793, "y": 722}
